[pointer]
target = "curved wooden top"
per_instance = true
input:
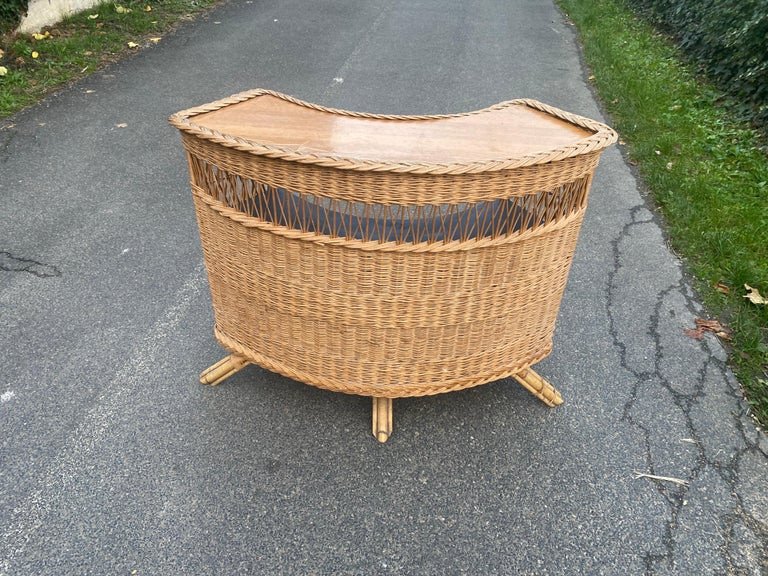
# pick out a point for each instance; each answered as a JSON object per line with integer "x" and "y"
{"x": 508, "y": 135}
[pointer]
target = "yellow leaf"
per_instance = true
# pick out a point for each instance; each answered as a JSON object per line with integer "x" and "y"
{"x": 3, "y": 71}
{"x": 1, "y": 53}
{"x": 92, "y": 16}
{"x": 132, "y": 45}
{"x": 155, "y": 40}
{"x": 35, "y": 54}
{"x": 754, "y": 296}
{"x": 122, "y": 9}
{"x": 37, "y": 36}
{"x": 147, "y": 8}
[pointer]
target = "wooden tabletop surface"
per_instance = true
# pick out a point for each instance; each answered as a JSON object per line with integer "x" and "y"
{"x": 509, "y": 132}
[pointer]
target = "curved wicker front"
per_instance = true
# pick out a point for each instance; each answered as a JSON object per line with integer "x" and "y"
{"x": 373, "y": 279}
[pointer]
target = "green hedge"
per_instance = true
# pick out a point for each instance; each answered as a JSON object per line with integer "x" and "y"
{"x": 728, "y": 39}
{"x": 11, "y": 12}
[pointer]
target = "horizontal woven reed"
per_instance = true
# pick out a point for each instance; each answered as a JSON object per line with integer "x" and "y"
{"x": 387, "y": 280}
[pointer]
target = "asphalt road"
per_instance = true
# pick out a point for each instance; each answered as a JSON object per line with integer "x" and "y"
{"x": 114, "y": 460}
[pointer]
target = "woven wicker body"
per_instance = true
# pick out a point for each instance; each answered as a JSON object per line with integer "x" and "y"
{"x": 388, "y": 256}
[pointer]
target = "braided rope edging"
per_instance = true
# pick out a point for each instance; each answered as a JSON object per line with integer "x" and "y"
{"x": 602, "y": 137}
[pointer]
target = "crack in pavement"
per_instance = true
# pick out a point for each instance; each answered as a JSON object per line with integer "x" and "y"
{"x": 11, "y": 263}
{"x": 650, "y": 378}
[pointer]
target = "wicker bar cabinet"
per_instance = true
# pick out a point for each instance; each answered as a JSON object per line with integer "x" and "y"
{"x": 388, "y": 256}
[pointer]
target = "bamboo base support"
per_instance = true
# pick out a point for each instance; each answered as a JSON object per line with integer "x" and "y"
{"x": 223, "y": 369}
{"x": 539, "y": 387}
{"x": 382, "y": 418}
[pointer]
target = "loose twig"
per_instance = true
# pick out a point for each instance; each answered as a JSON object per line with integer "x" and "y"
{"x": 662, "y": 478}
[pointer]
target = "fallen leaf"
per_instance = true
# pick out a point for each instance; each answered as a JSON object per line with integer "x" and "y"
{"x": 155, "y": 40}
{"x": 87, "y": 53}
{"x": 754, "y": 296}
{"x": 591, "y": 77}
{"x": 38, "y": 36}
{"x": 147, "y": 8}
{"x": 92, "y": 16}
{"x": 3, "y": 71}
{"x": 35, "y": 54}
{"x": 669, "y": 165}
{"x": 694, "y": 333}
{"x": 121, "y": 125}
{"x": 2, "y": 53}
{"x": 703, "y": 326}
{"x": 122, "y": 9}
{"x": 90, "y": 91}
{"x": 711, "y": 325}
{"x": 132, "y": 45}
{"x": 722, "y": 288}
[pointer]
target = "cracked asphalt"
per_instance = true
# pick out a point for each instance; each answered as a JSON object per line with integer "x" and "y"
{"x": 114, "y": 460}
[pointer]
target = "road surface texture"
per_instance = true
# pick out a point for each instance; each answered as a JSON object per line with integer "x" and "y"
{"x": 114, "y": 460}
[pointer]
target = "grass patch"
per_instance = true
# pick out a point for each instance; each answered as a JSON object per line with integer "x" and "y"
{"x": 81, "y": 44}
{"x": 705, "y": 171}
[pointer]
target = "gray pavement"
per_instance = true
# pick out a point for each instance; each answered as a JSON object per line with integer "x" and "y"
{"x": 114, "y": 460}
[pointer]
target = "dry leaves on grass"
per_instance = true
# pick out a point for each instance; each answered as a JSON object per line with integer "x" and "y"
{"x": 754, "y": 296}
{"x": 703, "y": 326}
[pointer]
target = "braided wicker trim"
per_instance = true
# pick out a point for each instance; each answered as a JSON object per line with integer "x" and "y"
{"x": 603, "y": 136}
{"x": 363, "y": 390}
{"x": 374, "y": 245}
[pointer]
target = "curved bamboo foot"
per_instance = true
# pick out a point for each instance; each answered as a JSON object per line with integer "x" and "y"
{"x": 223, "y": 369}
{"x": 539, "y": 387}
{"x": 382, "y": 418}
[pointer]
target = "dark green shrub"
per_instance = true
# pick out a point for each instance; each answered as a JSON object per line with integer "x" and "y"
{"x": 11, "y": 12}
{"x": 727, "y": 39}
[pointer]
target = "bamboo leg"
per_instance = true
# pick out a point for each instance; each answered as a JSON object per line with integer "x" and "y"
{"x": 539, "y": 387}
{"x": 382, "y": 418}
{"x": 223, "y": 369}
